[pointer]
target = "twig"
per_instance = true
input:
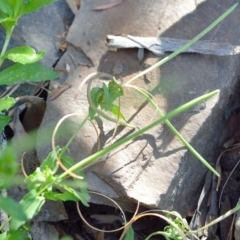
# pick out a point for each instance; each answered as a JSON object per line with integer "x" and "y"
{"x": 159, "y": 46}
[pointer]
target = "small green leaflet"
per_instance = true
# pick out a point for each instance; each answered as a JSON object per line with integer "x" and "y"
{"x": 6, "y": 7}
{"x": 12, "y": 208}
{"x": 70, "y": 194}
{"x": 31, "y": 205}
{"x": 36, "y": 180}
{"x": 13, "y": 235}
{"x": 50, "y": 161}
{"x": 34, "y": 72}
{"x": 6, "y": 103}
{"x": 83, "y": 194}
{"x": 105, "y": 96}
{"x": 24, "y": 55}
{"x": 3, "y": 18}
{"x": 8, "y": 167}
{"x": 129, "y": 234}
{"x": 67, "y": 238}
{"x": 17, "y": 5}
{"x": 34, "y": 5}
{"x": 3, "y": 236}
{"x": 4, "y": 120}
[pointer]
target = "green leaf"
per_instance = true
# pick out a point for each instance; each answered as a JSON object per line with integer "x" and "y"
{"x": 16, "y": 5}
{"x": 32, "y": 72}
{"x": 17, "y": 234}
{"x": 24, "y": 55}
{"x": 36, "y": 180}
{"x": 67, "y": 238}
{"x": 116, "y": 111}
{"x": 8, "y": 167}
{"x": 6, "y": 7}
{"x": 50, "y": 161}
{"x": 91, "y": 113}
{"x": 67, "y": 161}
{"x": 6, "y": 103}
{"x": 12, "y": 208}
{"x": 4, "y": 120}
{"x": 106, "y": 96}
{"x": 129, "y": 234}
{"x": 115, "y": 89}
{"x": 97, "y": 95}
{"x": 68, "y": 193}
{"x": 31, "y": 204}
{"x": 66, "y": 196}
{"x": 83, "y": 196}
{"x": 34, "y": 5}
{"x": 4, "y": 19}
{"x": 3, "y": 236}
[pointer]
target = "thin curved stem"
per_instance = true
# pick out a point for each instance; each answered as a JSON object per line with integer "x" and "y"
{"x": 101, "y": 153}
{"x": 6, "y": 43}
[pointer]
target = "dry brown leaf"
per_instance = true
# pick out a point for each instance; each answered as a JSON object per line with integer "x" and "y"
{"x": 63, "y": 46}
{"x": 60, "y": 70}
{"x": 33, "y": 115}
{"x": 100, "y": 236}
{"x": 108, "y": 6}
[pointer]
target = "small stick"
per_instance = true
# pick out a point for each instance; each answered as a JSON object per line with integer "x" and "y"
{"x": 159, "y": 46}
{"x": 59, "y": 91}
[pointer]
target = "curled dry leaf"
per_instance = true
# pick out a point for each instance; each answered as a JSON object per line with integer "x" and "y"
{"x": 63, "y": 46}
{"x": 34, "y": 112}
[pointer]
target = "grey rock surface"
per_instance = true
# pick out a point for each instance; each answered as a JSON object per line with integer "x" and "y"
{"x": 155, "y": 169}
{"x": 44, "y": 231}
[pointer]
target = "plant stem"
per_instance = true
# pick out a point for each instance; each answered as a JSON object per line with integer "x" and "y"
{"x": 117, "y": 144}
{"x": 172, "y": 128}
{"x": 74, "y": 135}
{"x": 6, "y": 43}
{"x": 186, "y": 46}
{"x": 5, "y": 223}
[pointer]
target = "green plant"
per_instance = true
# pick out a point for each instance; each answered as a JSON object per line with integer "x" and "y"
{"x": 47, "y": 182}
{"x": 24, "y": 57}
{"x": 24, "y": 68}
